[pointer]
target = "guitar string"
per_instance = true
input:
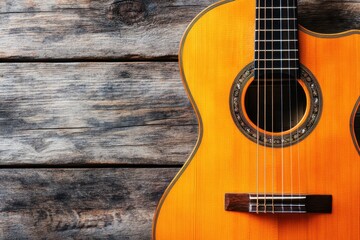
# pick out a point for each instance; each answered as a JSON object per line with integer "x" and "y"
{"x": 258, "y": 106}
{"x": 296, "y": 97}
{"x": 281, "y": 110}
{"x": 290, "y": 117}
{"x": 295, "y": 37}
{"x": 272, "y": 103}
{"x": 265, "y": 74}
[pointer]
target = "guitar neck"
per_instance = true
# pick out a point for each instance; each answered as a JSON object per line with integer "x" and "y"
{"x": 276, "y": 39}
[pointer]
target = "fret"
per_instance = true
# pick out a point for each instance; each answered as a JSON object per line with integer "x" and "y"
{"x": 276, "y": 75}
{"x": 276, "y": 35}
{"x": 271, "y": 63}
{"x": 275, "y": 7}
{"x": 274, "y": 30}
{"x": 275, "y": 45}
{"x": 283, "y": 68}
{"x": 276, "y": 24}
{"x": 276, "y": 50}
{"x": 271, "y": 19}
{"x": 274, "y": 60}
{"x": 276, "y": 13}
{"x": 276, "y": 53}
{"x": 276, "y": 65}
{"x": 276, "y": 40}
{"x": 283, "y": 42}
{"x": 282, "y": 55}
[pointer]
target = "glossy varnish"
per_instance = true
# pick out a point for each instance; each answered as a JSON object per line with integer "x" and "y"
{"x": 216, "y": 47}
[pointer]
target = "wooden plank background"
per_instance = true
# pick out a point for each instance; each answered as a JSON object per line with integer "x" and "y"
{"x": 94, "y": 121}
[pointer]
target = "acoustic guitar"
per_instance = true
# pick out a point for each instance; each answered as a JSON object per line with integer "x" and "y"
{"x": 277, "y": 156}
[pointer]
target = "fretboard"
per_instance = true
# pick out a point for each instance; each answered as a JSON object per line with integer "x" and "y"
{"x": 276, "y": 39}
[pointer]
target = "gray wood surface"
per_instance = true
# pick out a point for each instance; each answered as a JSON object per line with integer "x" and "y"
{"x": 93, "y": 113}
{"x": 72, "y": 95}
{"x": 96, "y": 29}
{"x": 137, "y": 29}
{"x": 80, "y": 203}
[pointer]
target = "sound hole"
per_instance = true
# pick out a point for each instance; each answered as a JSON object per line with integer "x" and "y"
{"x": 283, "y": 109}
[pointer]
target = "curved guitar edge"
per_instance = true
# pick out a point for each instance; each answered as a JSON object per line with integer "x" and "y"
{"x": 352, "y": 125}
{"x": 329, "y": 35}
{"x": 199, "y": 120}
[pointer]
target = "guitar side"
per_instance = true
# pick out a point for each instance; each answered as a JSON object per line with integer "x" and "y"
{"x": 218, "y": 44}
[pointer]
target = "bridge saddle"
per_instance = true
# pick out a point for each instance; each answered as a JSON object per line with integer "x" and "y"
{"x": 278, "y": 203}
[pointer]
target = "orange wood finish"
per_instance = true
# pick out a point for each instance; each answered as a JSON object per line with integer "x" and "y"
{"x": 217, "y": 46}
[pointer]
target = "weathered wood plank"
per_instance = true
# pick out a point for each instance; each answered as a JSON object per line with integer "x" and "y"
{"x": 81, "y": 113}
{"x": 156, "y": 145}
{"x": 82, "y": 95}
{"x": 138, "y": 29}
{"x": 80, "y": 203}
{"x": 94, "y": 29}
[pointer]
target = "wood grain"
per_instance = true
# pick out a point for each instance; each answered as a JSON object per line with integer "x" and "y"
{"x": 82, "y": 113}
{"x": 137, "y": 29}
{"x": 104, "y": 29}
{"x": 79, "y": 203}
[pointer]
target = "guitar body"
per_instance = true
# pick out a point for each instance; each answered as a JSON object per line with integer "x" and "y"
{"x": 216, "y": 47}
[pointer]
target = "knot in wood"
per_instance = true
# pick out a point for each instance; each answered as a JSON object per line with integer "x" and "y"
{"x": 128, "y": 12}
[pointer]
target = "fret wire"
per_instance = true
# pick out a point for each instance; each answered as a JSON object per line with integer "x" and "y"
{"x": 268, "y": 68}
{"x": 286, "y": 59}
{"x": 275, "y": 7}
{"x": 276, "y": 19}
{"x": 275, "y": 30}
{"x": 276, "y": 40}
{"x": 277, "y": 50}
